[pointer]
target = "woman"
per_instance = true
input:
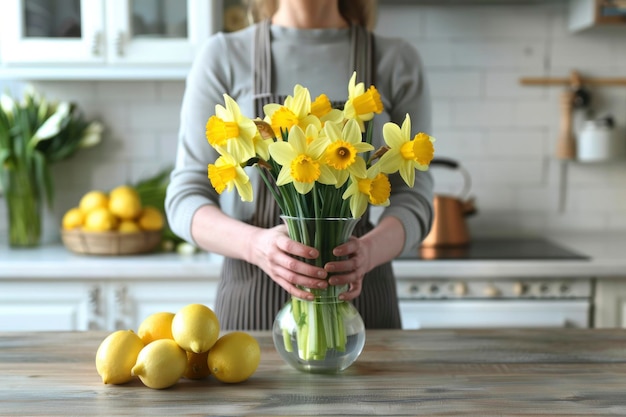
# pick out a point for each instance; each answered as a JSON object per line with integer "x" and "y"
{"x": 318, "y": 44}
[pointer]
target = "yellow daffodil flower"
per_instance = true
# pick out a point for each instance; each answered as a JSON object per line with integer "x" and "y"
{"x": 342, "y": 152}
{"x": 301, "y": 162}
{"x": 296, "y": 111}
{"x": 374, "y": 188}
{"x": 405, "y": 154}
{"x": 228, "y": 131}
{"x": 226, "y": 173}
{"x": 362, "y": 104}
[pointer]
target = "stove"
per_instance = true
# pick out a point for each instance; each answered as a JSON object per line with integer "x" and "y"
{"x": 498, "y": 249}
{"x": 496, "y": 302}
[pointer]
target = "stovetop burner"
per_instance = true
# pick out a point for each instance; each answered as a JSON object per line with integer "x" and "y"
{"x": 499, "y": 249}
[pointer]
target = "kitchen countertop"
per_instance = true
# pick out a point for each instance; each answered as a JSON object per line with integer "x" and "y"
{"x": 605, "y": 252}
{"x": 419, "y": 372}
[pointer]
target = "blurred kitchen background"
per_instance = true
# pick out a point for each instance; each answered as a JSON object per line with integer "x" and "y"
{"x": 504, "y": 133}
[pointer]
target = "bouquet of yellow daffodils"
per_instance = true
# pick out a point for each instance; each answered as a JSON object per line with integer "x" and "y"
{"x": 319, "y": 163}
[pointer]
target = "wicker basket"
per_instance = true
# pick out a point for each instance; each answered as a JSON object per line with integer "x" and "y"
{"x": 110, "y": 243}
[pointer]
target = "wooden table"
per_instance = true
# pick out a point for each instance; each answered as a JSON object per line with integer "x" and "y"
{"x": 423, "y": 372}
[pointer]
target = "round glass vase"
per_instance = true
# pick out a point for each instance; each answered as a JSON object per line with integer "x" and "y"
{"x": 325, "y": 335}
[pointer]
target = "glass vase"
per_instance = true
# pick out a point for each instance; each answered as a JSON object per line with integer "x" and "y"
{"x": 325, "y": 335}
{"x": 22, "y": 196}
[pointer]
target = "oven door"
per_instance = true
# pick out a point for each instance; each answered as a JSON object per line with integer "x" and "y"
{"x": 433, "y": 314}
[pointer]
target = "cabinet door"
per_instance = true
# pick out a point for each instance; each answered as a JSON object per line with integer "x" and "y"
{"x": 156, "y": 31}
{"x": 610, "y": 303}
{"x": 132, "y": 302}
{"x": 54, "y": 306}
{"x": 52, "y": 31}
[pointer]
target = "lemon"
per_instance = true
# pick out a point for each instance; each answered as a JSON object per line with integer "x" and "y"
{"x": 100, "y": 220}
{"x": 151, "y": 218}
{"x": 93, "y": 200}
{"x": 156, "y": 326}
{"x": 117, "y": 355}
{"x": 128, "y": 226}
{"x": 160, "y": 364}
{"x": 124, "y": 202}
{"x": 234, "y": 357}
{"x": 73, "y": 218}
{"x": 195, "y": 328}
{"x": 197, "y": 365}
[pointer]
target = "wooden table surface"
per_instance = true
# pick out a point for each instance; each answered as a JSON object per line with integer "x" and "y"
{"x": 421, "y": 372}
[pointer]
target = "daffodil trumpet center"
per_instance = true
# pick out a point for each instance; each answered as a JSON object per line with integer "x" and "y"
{"x": 368, "y": 102}
{"x": 220, "y": 176}
{"x": 423, "y": 149}
{"x": 340, "y": 155}
{"x": 219, "y": 131}
{"x": 407, "y": 151}
{"x": 305, "y": 169}
{"x": 283, "y": 119}
{"x": 321, "y": 106}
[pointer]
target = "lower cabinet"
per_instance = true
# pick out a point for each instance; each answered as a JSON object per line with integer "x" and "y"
{"x": 58, "y": 305}
{"x": 43, "y": 305}
{"x": 610, "y": 303}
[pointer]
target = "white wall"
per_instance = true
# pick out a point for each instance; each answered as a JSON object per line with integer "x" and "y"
{"x": 503, "y": 133}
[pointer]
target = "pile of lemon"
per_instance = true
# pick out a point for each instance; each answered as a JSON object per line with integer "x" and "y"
{"x": 119, "y": 210}
{"x": 170, "y": 346}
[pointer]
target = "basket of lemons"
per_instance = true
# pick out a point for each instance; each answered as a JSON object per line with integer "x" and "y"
{"x": 114, "y": 223}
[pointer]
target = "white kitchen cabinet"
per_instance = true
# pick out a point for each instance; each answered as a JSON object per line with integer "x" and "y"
{"x": 98, "y": 33}
{"x": 94, "y": 304}
{"x": 131, "y": 302}
{"x": 40, "y": 305}
{"x": 610, "y": 303}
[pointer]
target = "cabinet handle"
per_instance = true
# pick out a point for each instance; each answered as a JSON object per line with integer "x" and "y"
{"x": 119, "y": 43}
{"x": 96, "y": 43}
{"x": 95, "y": 308}
{"x": 94, "y": 301}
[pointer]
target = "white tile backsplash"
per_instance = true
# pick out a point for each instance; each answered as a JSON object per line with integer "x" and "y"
{"x": 502, "y": 132}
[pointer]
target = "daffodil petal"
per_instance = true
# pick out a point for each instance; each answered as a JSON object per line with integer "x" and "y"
{"x": 407, "y": 172}
{"x": 393, "y": 135}
{"x": 282, "y": 152}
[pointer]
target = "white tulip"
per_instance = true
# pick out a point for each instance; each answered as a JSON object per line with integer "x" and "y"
{"x": 52, "y": 126}
{"x": 91, "y": 135}
{"x": 7, "y": 104}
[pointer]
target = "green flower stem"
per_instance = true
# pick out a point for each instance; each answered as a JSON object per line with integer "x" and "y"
{"x": 319, "y": 323}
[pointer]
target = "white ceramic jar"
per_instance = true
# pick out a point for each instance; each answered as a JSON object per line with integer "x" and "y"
{"x": 600, "y": 141}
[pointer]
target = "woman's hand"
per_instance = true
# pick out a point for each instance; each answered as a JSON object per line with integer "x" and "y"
{"x": 273, "y": 251}
{"x": 352, "y": 270}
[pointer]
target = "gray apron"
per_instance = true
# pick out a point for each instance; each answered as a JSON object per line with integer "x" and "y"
{"x": 248, "y": 299}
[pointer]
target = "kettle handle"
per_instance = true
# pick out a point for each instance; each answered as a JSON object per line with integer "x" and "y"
{"x": 452, "y": 164}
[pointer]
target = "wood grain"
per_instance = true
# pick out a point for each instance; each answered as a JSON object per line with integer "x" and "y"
{"x": 551, "y": 372}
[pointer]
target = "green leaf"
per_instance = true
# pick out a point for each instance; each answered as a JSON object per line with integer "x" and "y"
{"x": 44, "y": 177}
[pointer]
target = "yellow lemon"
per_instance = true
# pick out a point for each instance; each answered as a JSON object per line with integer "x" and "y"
{"x": 197, "y": 365}
{"x": 124, "y": 202}
{"x": 128, "y": 226}
{"x": 156, "y": 326}
{"x": 73, "y": 218}
{"x": 195, "y": 328}
{"x": 93, "y": 200}
{"x": 117, "y": 355}
{"x": 151, "y": 218}
{"x": 160, "y": 364}
{"x": 100, "y": 220}
{"x": 234, "y": 357}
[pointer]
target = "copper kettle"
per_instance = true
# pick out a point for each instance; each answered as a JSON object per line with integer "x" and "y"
{"x": 449, "y": 227}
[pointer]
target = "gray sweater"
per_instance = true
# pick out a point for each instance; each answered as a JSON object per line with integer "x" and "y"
{"x": 318, "y": 59}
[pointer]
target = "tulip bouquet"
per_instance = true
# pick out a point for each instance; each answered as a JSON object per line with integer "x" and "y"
{"x": 319, "y": 163}
{"x": 34, "y": 134}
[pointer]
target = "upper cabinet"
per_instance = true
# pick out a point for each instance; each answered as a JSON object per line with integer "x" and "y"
{"x": 586, "y": 14}
{"x": 99, "y": 37}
